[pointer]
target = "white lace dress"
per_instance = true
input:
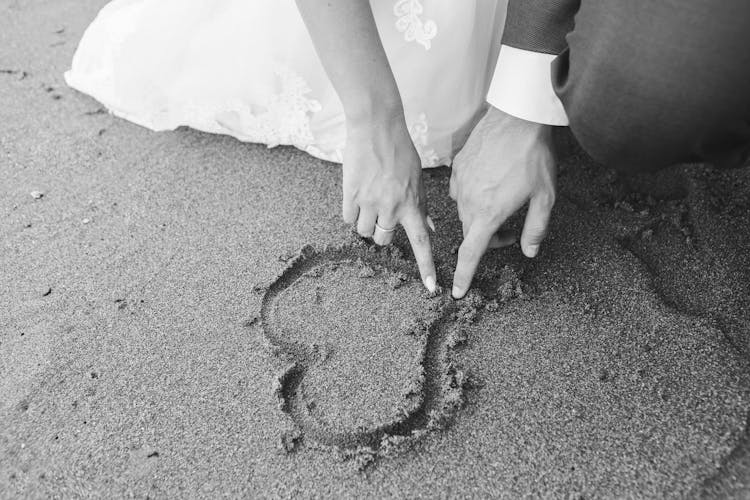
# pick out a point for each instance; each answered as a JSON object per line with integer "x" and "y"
{"x": 247, "y": 68}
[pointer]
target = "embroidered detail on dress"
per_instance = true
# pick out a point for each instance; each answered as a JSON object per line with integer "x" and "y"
{"x": 283, "y": 119}
{"x": 419, "y": 131}
{"x": 410, "y": 24}
{"x": 290, "y": 109}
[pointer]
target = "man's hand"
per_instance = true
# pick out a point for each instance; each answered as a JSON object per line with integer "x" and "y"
{"x": 506, "y": 162}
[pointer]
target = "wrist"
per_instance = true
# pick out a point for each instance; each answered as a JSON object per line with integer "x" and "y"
{"x": 375, "y": 114}
{"x": 373, "y": 111}
{"x": 505, "y": 120}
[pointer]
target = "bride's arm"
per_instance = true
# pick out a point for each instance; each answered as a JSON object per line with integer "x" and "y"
{"x": 347, "y": 42}
{"x": 382, "y": 172}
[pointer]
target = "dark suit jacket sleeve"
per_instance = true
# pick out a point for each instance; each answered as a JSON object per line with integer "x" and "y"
{"x": 539, "y": 25}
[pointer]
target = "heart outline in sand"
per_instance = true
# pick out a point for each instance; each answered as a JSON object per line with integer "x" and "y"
{"x": 442, "y": 384}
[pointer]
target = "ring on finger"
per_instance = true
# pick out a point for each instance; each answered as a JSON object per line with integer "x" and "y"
{"x": 378, "y": 227}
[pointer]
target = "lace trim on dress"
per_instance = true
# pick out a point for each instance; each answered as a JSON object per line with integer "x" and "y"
{"x": 419, "y": 132}
{"x": 292, "y": 108}
{"x": 410, "y": 24}
{"x": 284, "y": 119}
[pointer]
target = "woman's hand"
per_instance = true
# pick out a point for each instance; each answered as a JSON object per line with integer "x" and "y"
{"x": 382, "y": 181}
{"x": 382, "y": 171}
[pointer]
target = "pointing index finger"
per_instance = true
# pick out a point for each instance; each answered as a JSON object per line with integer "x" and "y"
{"x": 469, "y": 254}
{"x": 416, "y": 230}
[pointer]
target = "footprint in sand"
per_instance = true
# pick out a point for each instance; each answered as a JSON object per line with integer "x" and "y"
{"x": 369, "y": 350}
{"x": 696, "y": 249}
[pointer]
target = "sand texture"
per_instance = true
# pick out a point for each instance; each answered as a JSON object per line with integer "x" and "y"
{"x": 184, "y": 315}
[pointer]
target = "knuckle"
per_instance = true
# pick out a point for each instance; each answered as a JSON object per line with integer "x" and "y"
{"x": 366, "y": 201}
{"x": 547, "y": 198}
{"x": 389, "y": 199}
{"x": 421, "y": 238}
{"x": 467, "y": 254}
{"x": 387, "y": 217}
{"x": 485, "y": 210}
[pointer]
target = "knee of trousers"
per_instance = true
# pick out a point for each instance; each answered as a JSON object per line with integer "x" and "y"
{"x": 637, "y": 107}
{"x": 627, "y": 123}
{"x": 626, "y": 143}
{"x": 654, "y": 128}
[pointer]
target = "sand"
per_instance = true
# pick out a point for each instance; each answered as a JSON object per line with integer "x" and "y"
{"x": 159, "y": 339}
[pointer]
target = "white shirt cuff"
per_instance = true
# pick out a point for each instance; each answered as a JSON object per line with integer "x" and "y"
{"x": 522, "y": 87}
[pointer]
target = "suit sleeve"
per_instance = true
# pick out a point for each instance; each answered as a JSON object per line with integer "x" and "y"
{"x": 539, "y": 25}
{"x": 534, "y": 35}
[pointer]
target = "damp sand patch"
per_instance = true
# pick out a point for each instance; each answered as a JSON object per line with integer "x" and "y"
{"x": 368, "y": 350}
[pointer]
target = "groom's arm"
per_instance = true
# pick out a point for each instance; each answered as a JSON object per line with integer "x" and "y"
{"x": 534, "y": 35}
{"x": 492, "y": 179}
{"x": 539, "y": 25}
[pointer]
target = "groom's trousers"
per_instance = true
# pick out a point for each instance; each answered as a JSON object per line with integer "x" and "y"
{"x": 646, "y": 83}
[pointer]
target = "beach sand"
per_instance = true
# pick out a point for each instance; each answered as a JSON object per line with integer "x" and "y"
{"x": 185, "y": 315}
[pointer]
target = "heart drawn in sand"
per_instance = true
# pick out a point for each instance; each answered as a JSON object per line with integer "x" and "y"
{"x": 368, "y": 349}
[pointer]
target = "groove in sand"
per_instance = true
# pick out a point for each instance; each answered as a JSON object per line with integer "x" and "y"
{"x": 440, "y": 393}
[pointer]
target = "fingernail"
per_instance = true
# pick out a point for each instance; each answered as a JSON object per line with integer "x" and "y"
{"x": 429, "y": 282}
{"x": 457, "y": 292}
{"x": 532, "y": 250}
{"x": 430, "y": 224}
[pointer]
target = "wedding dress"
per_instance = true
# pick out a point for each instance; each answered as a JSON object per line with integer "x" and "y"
{"x": 248, "y": 68}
